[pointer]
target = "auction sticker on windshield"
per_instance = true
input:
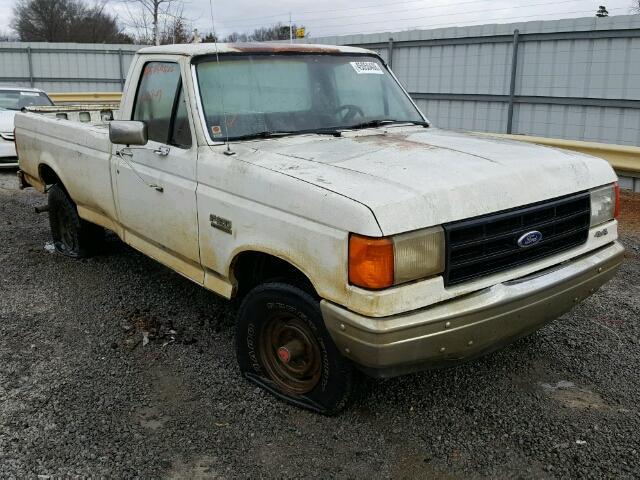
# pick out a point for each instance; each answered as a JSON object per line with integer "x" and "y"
{"x": 363, "y": 68}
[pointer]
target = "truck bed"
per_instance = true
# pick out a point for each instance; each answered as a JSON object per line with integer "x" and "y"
{"x": 70, "y": 140}
{"x": 96, "y": 114}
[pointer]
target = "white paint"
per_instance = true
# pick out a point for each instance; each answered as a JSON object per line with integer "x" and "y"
{"x": 7, "y": 147}
{"x": 299, "y": 197}
{"x": 6, "y": 120}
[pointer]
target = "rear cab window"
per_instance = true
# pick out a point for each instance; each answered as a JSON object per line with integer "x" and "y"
{"x": 160, "y": 103}
{"x": 19, "y": 99}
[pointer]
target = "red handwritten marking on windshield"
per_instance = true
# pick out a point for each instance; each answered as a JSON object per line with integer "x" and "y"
{"x": 151, "y": 96}
{"x": 159, "y": 68}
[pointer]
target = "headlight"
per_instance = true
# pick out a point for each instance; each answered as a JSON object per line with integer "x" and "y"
{"x": 605, "y": 204}
{"x": 377, "y": 263}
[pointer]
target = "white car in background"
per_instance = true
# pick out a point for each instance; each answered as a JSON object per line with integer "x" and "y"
{"x": 12, "y": 100}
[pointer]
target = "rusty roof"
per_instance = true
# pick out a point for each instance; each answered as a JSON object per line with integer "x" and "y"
{"x": 194, "y": 49}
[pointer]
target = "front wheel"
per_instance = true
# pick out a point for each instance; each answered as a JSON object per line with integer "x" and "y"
{"x": 72, "y": 236}
{"x": 283, "y": 346}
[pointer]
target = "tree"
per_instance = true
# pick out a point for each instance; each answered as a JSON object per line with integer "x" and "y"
{"x": 65, "y": 21}
{"x": 176, "y": 31}
{"x": 154, "y": 21}
{"x": 100, "y": 27}
{"x": 6, "y": 37}
{"x": 236, "y": 37}
{"x": 602, "y": 12}
{"x": 278, "y": 31}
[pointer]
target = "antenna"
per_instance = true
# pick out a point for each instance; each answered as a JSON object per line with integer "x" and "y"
{"x": 213, "y": 24}
{"x": 228, "y": 151}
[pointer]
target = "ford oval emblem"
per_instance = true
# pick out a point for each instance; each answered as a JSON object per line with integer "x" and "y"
{"x": 529, "y": 239}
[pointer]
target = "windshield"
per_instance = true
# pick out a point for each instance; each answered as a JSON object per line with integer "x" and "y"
{"x": 18, "y": 99}
{"x": 261, "y": 94}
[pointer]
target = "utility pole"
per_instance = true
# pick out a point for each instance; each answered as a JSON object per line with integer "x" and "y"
{"x": 290, "y": 29}
{"x": 156, "y": 33}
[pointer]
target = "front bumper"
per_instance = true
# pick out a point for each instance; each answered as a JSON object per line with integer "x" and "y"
{"x": 8, "y": 156}
{"x": 470, "y": 326}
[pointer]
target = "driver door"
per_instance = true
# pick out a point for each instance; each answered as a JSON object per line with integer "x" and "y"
{"x": 156, "y": 183}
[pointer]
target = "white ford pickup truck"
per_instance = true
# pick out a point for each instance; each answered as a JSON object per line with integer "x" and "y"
{"x": 303, "y": 181}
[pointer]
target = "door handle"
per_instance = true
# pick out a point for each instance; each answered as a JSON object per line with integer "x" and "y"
{"x": 163, "y": 151}
{"x": 124, "y": 152}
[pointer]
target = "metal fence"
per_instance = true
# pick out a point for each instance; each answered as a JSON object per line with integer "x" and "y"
{"x": 575, "y": 78}
{"x": 65, "y": 67}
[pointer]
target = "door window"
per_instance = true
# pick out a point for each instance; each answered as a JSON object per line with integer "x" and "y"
{"x": 181, "y": 132}
{"x": 155, "y": 99}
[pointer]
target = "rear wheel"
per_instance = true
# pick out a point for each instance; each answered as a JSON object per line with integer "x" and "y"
{"x": 283, "y": 346}
{"x": 72, "y": 236}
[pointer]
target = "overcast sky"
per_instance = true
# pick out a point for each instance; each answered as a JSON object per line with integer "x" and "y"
{"x": 338, "y": 17}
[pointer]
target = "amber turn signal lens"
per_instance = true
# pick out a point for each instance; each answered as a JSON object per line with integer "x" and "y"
{"x": 616, "y": 210}
{"x": 370, "y": 262}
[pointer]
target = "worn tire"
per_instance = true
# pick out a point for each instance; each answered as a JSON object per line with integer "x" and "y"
{"x": 283, "y": 304}
{"x": 71, "y": 235}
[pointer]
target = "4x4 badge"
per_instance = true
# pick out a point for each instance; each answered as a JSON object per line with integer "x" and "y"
{"x": 220, "y": 223}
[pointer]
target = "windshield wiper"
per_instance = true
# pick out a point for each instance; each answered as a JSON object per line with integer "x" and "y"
{"x": 382, "y": 122}
{"x": 322, "y": 131}
{"x": 275, "y": 134}
{"x": 334, "y": 131}
{"x": 262, "y": 134}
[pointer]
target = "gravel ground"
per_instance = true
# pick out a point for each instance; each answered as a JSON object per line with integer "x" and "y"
{"x": 80, "y": 395}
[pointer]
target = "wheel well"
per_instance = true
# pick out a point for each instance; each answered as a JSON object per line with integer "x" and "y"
{"x": 250, "y": 269}
{"x": 48, "y": 175}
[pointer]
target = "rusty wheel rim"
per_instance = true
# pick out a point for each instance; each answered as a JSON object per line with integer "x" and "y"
{"x": 290, "y": 353}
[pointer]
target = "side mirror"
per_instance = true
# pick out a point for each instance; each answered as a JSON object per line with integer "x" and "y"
{"x": 128, "y": 132}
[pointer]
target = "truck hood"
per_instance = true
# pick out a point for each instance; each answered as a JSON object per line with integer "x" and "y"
{"x": 411, "y": 177}
{"x": 6, "y": 120}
